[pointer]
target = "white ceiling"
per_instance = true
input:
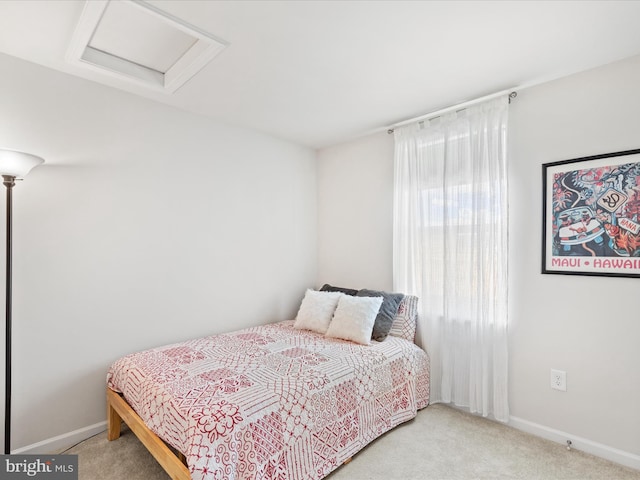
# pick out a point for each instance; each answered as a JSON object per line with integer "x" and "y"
{"x": 322, "y": 72}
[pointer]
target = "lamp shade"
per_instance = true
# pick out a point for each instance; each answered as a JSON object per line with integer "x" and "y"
{"x": 17, "y": 164}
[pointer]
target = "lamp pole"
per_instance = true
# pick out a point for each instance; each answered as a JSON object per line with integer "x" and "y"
{"x": 8, "y": 181}
{"x": 12, "y": 164}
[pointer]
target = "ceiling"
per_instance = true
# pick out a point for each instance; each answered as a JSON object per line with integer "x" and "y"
{"x": 319, "y": 73}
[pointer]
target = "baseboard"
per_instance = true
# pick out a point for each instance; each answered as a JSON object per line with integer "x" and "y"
{"x": 594, "y": 448}
{"x": 62, "y": 442}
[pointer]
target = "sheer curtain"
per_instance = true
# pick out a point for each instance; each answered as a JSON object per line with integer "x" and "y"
{"x": 450, "y": 249}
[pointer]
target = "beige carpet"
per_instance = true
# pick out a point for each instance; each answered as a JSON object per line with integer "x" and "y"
{"x": 441, "y": 443}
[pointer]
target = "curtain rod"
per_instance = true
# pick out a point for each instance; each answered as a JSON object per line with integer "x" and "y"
{"x": 460, "y": 106}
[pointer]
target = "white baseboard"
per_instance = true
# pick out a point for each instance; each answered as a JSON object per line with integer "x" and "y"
{"x": 598, "y": 449}
{"x": 62, "y": 442}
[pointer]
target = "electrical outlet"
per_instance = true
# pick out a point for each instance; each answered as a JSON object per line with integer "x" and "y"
{"x": 559, "y": 380}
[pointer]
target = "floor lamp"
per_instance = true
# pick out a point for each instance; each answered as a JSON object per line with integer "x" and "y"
{"x": 12, "y": 164}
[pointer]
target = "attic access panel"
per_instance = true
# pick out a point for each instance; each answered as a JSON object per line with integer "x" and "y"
{"x": 135, "y": 41}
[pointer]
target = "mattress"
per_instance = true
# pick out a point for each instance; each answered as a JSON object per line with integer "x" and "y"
{"x": 272, "y": 402}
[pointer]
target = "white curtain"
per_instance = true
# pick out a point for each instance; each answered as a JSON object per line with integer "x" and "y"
{"x": 450, "y": 249}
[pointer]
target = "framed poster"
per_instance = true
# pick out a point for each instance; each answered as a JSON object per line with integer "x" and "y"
{"x": 591, "y": 215}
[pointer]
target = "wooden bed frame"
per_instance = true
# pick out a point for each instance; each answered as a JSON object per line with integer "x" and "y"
{"x": 118, "y": 411}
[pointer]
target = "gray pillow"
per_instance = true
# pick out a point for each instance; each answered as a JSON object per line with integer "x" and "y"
{"x": 386, "y": 314}
{"x": 330, "y": 288}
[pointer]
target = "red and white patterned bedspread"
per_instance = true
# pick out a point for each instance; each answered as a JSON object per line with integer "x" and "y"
{"x": 272, "y": 402}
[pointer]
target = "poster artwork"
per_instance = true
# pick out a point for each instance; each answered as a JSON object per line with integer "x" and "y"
{"x": 596, "y": 219}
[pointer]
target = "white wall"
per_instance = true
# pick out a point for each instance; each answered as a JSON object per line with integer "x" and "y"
{"x": 587, "y": 326}
{"x": 355, "y": 213}
{"x": 146, "y": 226}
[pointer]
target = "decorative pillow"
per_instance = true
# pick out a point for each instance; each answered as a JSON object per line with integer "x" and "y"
{"x": 354, "y": 318}
{"x": 404, "y": 324}
{"x": 330, "y": 288}
{"x": 388, "y": 310}
{"x": 316, "y": 310}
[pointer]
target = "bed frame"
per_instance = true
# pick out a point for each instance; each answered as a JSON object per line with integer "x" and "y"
{"x": 118, "y": 411}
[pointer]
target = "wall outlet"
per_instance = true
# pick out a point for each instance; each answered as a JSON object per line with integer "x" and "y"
{"x": 559, "y": 380}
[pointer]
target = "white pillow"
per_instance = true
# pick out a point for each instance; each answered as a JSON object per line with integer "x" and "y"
{"x": 316, "y": 310}
{"x": 354, "y": 318}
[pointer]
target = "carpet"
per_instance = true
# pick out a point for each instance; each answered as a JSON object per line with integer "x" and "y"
{"x": 441, "y": 443}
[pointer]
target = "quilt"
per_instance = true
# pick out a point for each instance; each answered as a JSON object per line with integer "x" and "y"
{"x": 272, "y": 402}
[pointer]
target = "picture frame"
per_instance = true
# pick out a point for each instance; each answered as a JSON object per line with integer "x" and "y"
{"x": 591, "y": 215}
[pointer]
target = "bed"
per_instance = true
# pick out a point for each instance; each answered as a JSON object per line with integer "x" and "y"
{"x": 268, "y": 402}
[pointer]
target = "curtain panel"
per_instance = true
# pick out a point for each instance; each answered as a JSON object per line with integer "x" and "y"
{"x": 450, "y": 249}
